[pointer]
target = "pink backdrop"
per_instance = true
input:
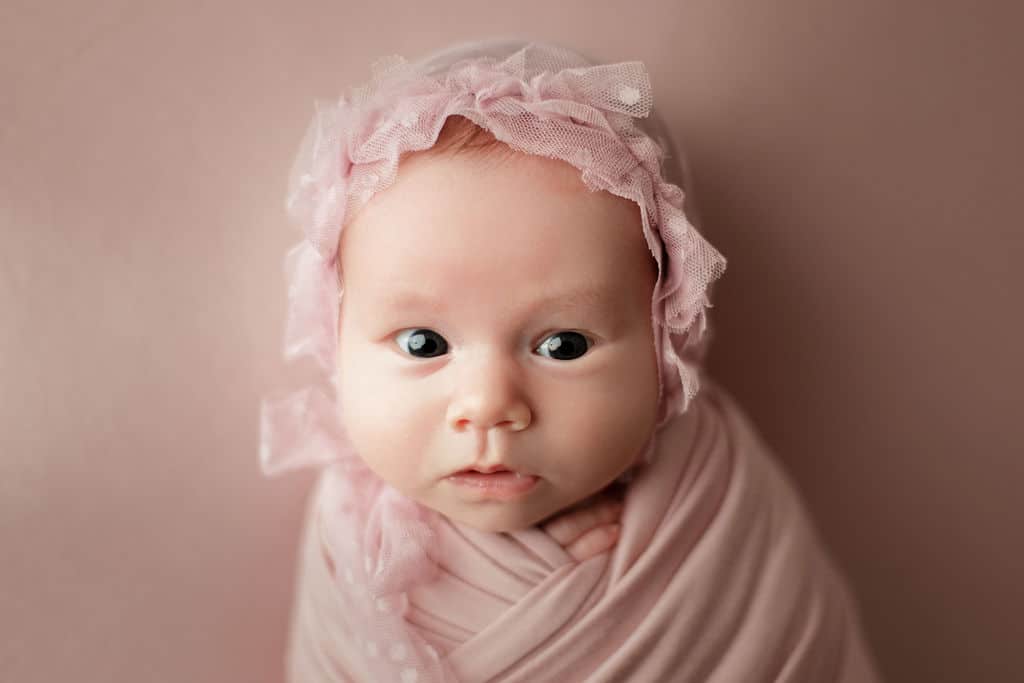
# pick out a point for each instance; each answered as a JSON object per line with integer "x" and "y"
{"x": 858, "y": 163}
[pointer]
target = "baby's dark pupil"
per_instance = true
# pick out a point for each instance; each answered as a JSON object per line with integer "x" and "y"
{"x": 567, "y": 345}
{"x": 427, "y": 344}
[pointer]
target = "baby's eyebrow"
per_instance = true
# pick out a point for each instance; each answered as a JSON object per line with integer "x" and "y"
{"x": 409, "y": 298}
{"x": 583, "y": 297}
{"x": 588, "y": 296}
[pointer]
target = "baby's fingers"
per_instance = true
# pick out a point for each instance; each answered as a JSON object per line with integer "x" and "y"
{"x": 571, "y": 526}
{"x": 594, "y": 542}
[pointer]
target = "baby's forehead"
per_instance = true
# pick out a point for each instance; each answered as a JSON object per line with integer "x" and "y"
{"x": 480, "y": 214}
{"x": 497, "y": 190}
{"x": 523, "y": 232}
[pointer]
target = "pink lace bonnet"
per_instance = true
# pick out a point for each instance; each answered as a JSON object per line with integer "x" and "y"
{"x": 536, "y": 98}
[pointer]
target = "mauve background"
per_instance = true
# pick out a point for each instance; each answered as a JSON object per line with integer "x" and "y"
{"x": 858, "y": 164}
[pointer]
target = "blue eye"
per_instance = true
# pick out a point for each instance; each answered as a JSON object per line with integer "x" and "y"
{"x": 564, "y": 346}
{"x": 421, "y": 343}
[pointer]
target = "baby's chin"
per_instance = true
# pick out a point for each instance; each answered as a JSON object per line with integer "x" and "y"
{"x": 494, "y": 517}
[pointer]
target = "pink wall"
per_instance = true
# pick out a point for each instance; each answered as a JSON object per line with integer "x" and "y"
{"x": 858, "y": 164}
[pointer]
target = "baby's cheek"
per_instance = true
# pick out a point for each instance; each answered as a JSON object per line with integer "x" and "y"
{"x": 602, "y": 433}
{"x": 622, "y": 415}
{"x": 392, "y": 420}
{"x": 374, "y": 422}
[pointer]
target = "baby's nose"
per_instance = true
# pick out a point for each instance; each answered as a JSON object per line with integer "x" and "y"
{"x": 463, "y": 418}
{"x": 488, "y": 397}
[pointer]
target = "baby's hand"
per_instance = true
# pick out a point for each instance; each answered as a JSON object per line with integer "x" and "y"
{"x": 588, "y": 529}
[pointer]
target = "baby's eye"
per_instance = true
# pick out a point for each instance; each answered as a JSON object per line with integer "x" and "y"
{"x": 421, "y": 343}
{"x": 564, "y": 346}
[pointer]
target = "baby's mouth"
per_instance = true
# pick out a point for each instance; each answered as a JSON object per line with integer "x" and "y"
{"x": 496, "y": 482}
{"x": 493, "y": 469}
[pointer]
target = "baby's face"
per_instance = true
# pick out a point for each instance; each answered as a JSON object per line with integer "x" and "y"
{"x": 495, "y": 315}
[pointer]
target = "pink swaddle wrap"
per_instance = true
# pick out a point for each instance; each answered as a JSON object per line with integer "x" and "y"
{"x": 716, "y": 575}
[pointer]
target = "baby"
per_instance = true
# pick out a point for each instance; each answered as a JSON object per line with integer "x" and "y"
{"x": 525, "y": 474}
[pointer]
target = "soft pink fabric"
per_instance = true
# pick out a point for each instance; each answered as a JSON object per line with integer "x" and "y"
{"x": 717, "y": 576}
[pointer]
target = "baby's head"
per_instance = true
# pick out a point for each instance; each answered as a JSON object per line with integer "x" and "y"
{"x": 519, "y": 287}
{"x": 496, "y": 315}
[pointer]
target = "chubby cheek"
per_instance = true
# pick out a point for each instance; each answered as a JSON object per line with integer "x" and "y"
{"x": 602, "y": 427}
{"x": 385, "y": 427}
